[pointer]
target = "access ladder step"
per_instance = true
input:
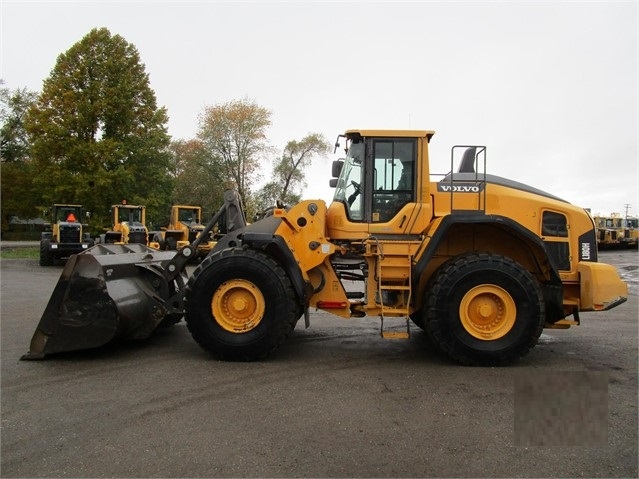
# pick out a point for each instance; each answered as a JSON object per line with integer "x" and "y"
{"x": 394, "y": 287}
{"x": 396, "y": 311}
{"x": 396, "y": 331}
{"x": 395, "y": 334}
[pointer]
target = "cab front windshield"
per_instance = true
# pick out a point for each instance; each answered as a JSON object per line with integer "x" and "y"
{"x": 348, "y": 188}
{"x": 68, "y": 213}
{"x": 130, "y": 215}
{"x": 188, "y": 215}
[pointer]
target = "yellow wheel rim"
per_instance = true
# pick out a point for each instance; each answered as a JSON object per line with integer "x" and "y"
{"x": 238, "y": 306}
{"x": 487, "y": 312}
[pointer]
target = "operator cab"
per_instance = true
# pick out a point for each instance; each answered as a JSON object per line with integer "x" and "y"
{"x": 130, "y": 214}
{"x": 376, "y": 179}
{"x": 67, "y": 213}
{"x": 189, "y": 216}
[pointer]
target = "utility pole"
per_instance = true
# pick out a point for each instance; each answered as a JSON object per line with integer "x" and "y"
{"x": 627, "y": 207}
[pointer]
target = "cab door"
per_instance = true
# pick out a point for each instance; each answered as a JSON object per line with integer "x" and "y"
{"x": 392, "y": 202}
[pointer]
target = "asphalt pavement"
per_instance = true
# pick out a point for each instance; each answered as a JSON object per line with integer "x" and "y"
{"x": 336, "y": 400}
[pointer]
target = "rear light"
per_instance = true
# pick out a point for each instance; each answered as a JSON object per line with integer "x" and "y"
{"x": 332, "y": 304}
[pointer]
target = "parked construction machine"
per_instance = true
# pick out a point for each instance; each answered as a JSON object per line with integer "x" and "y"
{"x": 185, "y": 224}
{"x": 129, "y": 225}
{"x": 65, "y": 234}
{"x": 631, "y": 232}
{"x": 615, "y": 231}
{"x": 479, "y": 262}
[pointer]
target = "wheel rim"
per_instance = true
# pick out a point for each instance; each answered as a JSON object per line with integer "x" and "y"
{"x": 487, "y": 312}
{"x": 238, "y": 306}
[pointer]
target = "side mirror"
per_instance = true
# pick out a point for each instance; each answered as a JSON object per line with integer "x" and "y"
{"x": 336, "y": 167}
{"x": 332, "y": 182}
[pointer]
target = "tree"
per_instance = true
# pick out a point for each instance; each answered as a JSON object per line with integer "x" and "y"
{"x": 16, "y": 191}
{"x": 14, "y": 145}
{"x": 97, "y": 134}
{"x": 197, "y": 180}
{"x": 234, "y": 135}
{"x": 288, "y": 178}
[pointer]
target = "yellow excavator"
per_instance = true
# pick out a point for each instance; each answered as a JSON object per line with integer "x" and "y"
{"x": 481, "y": 263}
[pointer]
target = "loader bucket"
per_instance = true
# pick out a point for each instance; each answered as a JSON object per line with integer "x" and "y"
{"x": 105, "y": 293}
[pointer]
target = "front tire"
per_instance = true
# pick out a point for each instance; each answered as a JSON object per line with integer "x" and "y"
{"x": 170, "y": 244}
{"x": 157, "y": 238}
{"x": 240, "y": 305}
{"x": 46, "y": 256}
{"x": 484, "y": 310}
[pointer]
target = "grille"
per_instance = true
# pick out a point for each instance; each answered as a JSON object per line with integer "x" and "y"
{"x": 559, "y": 254}
{"x": 69, "y": 234}
{"x": 137, "y": 237}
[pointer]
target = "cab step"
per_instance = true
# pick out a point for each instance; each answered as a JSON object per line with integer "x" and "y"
{"x": 395, "y": 332}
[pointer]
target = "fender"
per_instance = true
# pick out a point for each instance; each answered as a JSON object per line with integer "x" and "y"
{"x": 553, "y": 290}
{"x": 261, "y": 235}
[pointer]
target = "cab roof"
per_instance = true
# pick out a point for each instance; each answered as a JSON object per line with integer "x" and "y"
{"x": 392, "y": 133}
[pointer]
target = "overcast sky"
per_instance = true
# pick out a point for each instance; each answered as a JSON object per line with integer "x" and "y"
{"x": 551, "y": 88}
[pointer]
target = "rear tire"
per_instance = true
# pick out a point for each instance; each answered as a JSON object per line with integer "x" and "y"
{"x": 484, "y": 310}
{"x": 46, "y": 256}
{"x": 240, "y": 305}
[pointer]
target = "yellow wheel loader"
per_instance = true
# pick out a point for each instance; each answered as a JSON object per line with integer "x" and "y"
{"x": 184, "y": 227}
{"x": 615, "y": 231}
{"x": 631, "y": 232}
{"x": 129, "y": 225}
{"x": 65, "y": 235}
{"x": 481, "y": 263}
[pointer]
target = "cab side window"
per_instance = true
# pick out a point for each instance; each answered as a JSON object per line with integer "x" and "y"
{"x": 554, "y": 224}
{"x": 393, "y": 177}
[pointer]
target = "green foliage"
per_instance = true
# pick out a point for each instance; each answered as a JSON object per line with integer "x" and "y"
{"x": 97, "y": 134}
{"x": 17, "y": 191}
{"x": 198, "y": 181}
{"x": 234, "y": 137}
{"x": 14, "y": 145}
{"x": 16, "y": 171}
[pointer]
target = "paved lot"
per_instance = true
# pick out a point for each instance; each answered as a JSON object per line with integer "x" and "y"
{"x": 336, "y": 401}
